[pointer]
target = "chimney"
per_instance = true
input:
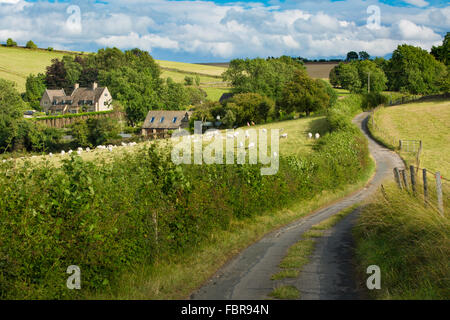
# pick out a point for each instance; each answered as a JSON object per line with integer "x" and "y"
{"x": 77, "y": 85}
{"x": 94, "y": 86}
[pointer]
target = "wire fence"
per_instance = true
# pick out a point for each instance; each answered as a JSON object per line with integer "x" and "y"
{"x": 428, "y": 184}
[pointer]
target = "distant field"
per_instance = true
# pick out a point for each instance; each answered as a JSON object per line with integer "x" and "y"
{"x": 17, "y": 63}
{"x": 427, "y": 121}
{"x": 190, "y": 67}
{"x": 317, "y": 70}
{"x": 320, "y": 70}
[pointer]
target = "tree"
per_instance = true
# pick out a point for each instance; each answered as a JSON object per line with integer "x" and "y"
{"x": 249, "y": 107}
{"x": 55, "y": 77}
{"x": 414, "y": 70}
{"x": 11, "y": 108}
{"x": 11, "y": 43}
{"x": 262, "y": 76}
{"x": 334, "y": 77}
{"x": 348, "y": 76}
{"x": 369, "y": 71}
{"x": 35, "y": 87}
{"x": 352, "y": 56}
{"x": 304, "y": 94}
{"x": 188, "y": 81}
{"x": 31, "y": 45}
{"x": 442, "y": 52}
{"x": 197, "y": 80}
{"x": 363, "y": 55}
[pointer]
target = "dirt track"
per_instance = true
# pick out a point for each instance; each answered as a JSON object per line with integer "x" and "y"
{"x": 330, "y": 273}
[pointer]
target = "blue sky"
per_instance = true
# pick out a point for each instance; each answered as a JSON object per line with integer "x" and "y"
{"x": 214, "y": 31}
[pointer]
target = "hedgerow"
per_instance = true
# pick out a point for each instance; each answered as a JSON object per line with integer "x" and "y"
{"x": 109, "y": 216}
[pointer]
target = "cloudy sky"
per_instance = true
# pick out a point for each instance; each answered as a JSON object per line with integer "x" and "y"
{"x": 214, "y": 31}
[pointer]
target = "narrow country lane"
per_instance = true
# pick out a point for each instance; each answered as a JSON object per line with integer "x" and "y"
{"x": 329, "y": 275}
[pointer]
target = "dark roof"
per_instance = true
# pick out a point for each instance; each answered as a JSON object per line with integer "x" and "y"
{"x": 226, "y": 96}
{"x": 167, "y": 123}
{"x": 78, "y": 94}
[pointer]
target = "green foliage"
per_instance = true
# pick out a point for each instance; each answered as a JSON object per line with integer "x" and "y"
{"x": 50, "y": 49}
{"x": 35, "y": 87}
{"x": 442, "y": 52}
{"x": 94, "y": 131}
{"x": 363, "y": 55}
{"x": 354, "y": 76}
{"x": 248, "y": 107}
{"x": 352, "y": 56}
{"x": 31, "y": 45}
{"x": 304, "y": 94}
{"x": 188, "y": 81}
{"x": 11, "y": 112}
{"x": 11, "y": 43}
{"x": 414, "y": 70}
{"x": 266, "y": 77}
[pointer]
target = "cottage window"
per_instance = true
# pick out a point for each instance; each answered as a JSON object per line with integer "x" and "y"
{"x": 152, "y": 119}
{"x": 174, "y": 120}
{"x": 162, "y": 120}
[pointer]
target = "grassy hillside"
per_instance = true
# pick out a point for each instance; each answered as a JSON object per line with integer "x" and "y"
{"x": 17, "y": 63}
{"x": 427, "y": 121}
{"x": 408, "y": 241}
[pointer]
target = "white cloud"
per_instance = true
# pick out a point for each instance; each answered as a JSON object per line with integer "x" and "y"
{"x": 317, "y": 28}
{"x": 417, "y": 3}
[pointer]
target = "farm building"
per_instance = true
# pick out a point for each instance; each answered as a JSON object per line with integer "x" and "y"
{"x": 81, "y": 100}
{"x": 161, "y": 121}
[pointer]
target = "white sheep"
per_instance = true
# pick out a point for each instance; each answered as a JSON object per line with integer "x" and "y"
{"x": 110, "y": 148}
{"x": 70, "y": 151}
{"x": 284, "y": 135}
{"x": 50, "y": 154}
{"x": 88, "y": 149}
{"x": 317, "y": 136}
{"x": 63, "y": 152}
{"x": 264, "y": 130}
{"x": 310, "y": 135}
{"x": 79, "y": 152}
{"x": 80, "y": 149}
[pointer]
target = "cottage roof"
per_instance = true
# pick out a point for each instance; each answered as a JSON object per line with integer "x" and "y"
{"x": 165, "y": 119}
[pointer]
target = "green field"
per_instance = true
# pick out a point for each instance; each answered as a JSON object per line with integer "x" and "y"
{"x": 190, "y": 67}
{"x": 17, "y": 63}
{"x": 427, "y": 121}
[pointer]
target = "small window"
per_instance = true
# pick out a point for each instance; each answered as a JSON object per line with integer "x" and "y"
{"x": 174, "y": 120}
{"x": 162, "y": 120}
{"x": 152, "y": 119}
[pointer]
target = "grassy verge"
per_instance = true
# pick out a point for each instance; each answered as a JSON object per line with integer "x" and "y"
{"x": 286, "y": 293}
{"x": 409, "y": 242}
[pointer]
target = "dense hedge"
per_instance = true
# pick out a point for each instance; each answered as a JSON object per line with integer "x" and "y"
{"x": 107, "y": 217}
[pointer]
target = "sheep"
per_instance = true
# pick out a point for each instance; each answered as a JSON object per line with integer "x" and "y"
{"x": 70, "y": 151}
{"x": 63, "y": 152}
{"x": 110, "y": 148}
{"x": 88, "y": 149}
{"x": 50, "y": 154}
{"x": 310, "y": 135}
{"x": 317, "y": 136}
{"x": 80, "y": 149}
{"x": 264, "y": 130}
{"x": 79, "y": 152}
{"x": 284, "y": 135}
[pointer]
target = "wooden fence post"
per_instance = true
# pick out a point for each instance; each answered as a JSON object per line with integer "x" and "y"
{"x": 439, "y": 193}
{"x": 397, "y": 178}
{"x": 425, "y": 186}
{"x": 413, "y": 179}
{"x": 400, "y": 144}
{"x": 405, "y": 180}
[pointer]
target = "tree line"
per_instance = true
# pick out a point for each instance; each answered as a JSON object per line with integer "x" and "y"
{"x": 411, "y": 69}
